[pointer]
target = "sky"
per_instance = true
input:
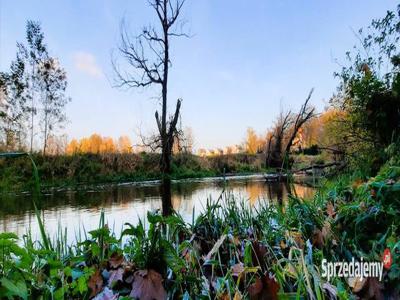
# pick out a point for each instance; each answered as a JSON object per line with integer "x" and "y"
{"x": 244, "y": 61}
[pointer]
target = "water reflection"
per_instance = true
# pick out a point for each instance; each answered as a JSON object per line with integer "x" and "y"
{"x": 77, "y": 210}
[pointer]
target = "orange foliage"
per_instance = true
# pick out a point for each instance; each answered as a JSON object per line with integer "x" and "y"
{"x": 97, "y": 144}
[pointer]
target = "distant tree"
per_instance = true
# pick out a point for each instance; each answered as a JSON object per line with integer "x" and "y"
{"x": 148, "y": 55}
{"x": 33, "y": 54}
{"x": 73, "y": 147}
{"x": 57, "y": 145}
{"x": 94, "y": 144}
{"x": 305, "y": 114}
{"x": 125, "y": 144}
{"x": 12, "y": 104}
{"x": 286, "y": 129}
{"x": 252, "y": 141}
{"x": 108, "y": 145}
{"x": 53, "y": 83}
{"x": 35, "y": 83}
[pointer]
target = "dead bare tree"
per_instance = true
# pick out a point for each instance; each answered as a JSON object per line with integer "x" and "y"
{"x": 285, "y": 131}
{"x": 306, "y": 113}
{"x": 275, "y": 157}
{"x": 148, "y": 58}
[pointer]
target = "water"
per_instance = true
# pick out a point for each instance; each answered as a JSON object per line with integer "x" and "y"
{"x": 127, "y": 203}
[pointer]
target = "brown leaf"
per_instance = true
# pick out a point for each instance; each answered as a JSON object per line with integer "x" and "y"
{"x": 356, "y": 283}
{"x": 330, "y": 210}
{"x": 271, "y": 287}
{"x": 255, "y": 288}
{"x": 318, "y": 238}
{"x": 265, "y": 288}
{"x": 147, "y": 285}
{"x": 115, "y": 276}
{"x": 116, "y": 260}
{"x": 224, "y": 296}
{"x": 95, "y": 283}
{"x": 259, "y": 253}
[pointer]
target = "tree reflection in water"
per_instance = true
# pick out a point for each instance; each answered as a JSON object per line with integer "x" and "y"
{"x": 128, "y": 203}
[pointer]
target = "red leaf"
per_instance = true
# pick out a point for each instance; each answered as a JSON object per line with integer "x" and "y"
{"x": 255, "y": 289}
{"x": 147, "y": 285}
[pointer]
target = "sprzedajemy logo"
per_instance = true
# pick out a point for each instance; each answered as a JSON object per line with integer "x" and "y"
{"x": 359, "y": 269}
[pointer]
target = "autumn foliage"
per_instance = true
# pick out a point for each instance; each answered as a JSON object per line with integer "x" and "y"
{"x": 97, "y": 144}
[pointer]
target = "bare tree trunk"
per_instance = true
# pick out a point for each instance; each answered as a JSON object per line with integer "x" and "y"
{"x": 305, "y": 114}
{"x": 149, "y": 55}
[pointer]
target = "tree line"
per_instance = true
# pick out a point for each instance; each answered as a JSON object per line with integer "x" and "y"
{"x": 32, "y": 95}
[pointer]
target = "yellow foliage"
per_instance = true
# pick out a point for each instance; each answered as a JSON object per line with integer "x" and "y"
{"x": 97, "y": 144}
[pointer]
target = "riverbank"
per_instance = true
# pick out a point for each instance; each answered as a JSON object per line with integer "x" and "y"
{"x": 231, "y": 250}
{"x": 85, "y": 171}
{"x": 79, "y": 171}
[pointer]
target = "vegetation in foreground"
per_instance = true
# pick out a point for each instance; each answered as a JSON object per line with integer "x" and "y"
{"x": 230, "y": 251}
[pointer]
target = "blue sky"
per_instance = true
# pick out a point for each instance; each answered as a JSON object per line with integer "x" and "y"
{"x": 245, "y": 60}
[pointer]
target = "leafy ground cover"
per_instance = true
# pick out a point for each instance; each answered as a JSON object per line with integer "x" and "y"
{"x": 230, "y": 251}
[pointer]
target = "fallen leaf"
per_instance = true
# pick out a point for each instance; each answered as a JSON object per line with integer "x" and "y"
{"x": 255, "y": 288}
{"x": 265, "y": 288}
{"x": 116, "y": 260}
{"x": 356, "y": 283}
{"x": 115, "y": 276}
{"x": 147, "y": 285}
{"x": 317, "y": 238}
{"x": 271, "y": 287}
{"x": 259, "y": 253}
{"x": 95, "y": 283}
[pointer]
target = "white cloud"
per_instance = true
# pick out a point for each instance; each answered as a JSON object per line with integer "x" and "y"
{"x": 86, "y": 63}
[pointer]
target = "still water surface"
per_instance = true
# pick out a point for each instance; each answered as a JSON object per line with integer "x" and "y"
{"x": 127, "y": 203}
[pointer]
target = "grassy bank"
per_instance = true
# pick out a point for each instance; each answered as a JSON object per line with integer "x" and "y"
{"x": 89, "y": 169}
{"x": 231, "y": 251}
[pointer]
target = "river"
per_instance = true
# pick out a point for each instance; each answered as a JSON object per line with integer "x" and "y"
{"x": 80, "y": 210}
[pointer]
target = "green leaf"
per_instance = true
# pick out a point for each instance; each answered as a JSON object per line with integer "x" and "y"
{"x": 15, "y": 289}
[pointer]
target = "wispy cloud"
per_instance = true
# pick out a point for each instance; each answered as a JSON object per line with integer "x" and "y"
{"x": 86, "y": 63}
